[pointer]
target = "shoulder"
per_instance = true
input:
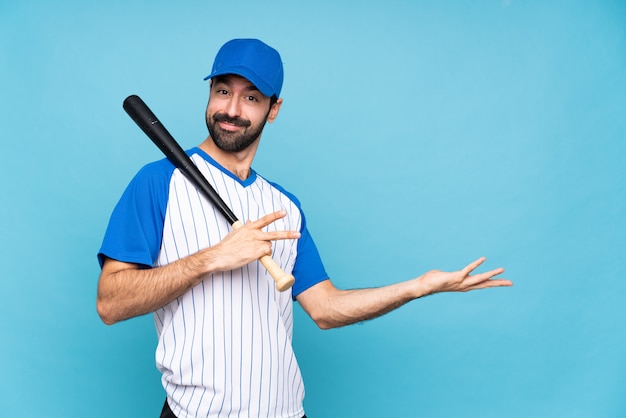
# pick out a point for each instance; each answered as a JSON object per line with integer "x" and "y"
{"x": 156, "y": 169}
{"x": 153, "y": 176}
{"x": 149, "y": 188}
{"x": 284, "y": 191}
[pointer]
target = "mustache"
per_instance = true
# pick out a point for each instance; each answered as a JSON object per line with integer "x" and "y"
{"x": 237, "y": 121}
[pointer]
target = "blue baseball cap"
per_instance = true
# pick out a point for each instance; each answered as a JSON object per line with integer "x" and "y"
{"x": 252, "y": 59}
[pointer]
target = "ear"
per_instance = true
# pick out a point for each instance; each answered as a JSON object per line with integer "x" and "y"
{"x": 271, "y": 117}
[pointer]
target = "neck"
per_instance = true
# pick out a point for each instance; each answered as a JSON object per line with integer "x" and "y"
{"x": 238, "y": 163}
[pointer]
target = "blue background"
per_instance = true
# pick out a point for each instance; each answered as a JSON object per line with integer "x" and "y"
{"x": 418, "y": 134}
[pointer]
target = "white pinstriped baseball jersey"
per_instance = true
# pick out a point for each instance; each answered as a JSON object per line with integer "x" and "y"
{"x": 224, "y": 347}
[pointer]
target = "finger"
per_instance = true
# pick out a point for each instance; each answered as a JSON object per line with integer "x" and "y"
{"x": 268, "y": 249}
{"x": 472, "y": 266}
{"x": 267, "y": 219}
{"x": 489, "y": 274}
{"x": 490, "y": 283}
{"x": 278, "y": 235}
{"x": 484, "y": 277}
{"x": 492, "y": 273}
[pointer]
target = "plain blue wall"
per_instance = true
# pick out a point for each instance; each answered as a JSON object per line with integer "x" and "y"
{"x": 419, "y": 135}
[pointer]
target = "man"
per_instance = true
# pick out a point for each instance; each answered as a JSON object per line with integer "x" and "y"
{"x": 224, "y": 331}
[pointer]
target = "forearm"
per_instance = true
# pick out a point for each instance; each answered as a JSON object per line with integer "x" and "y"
{"x": 126, "y": 291}
{"x": 337, "y": 308}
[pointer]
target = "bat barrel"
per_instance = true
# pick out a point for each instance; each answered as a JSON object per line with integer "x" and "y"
{"x": 150, "y": 125}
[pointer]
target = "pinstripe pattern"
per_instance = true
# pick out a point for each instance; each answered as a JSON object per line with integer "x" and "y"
{"x": 225, "y": 346}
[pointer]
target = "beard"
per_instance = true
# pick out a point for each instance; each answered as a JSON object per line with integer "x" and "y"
{"x": 233, "y": 141}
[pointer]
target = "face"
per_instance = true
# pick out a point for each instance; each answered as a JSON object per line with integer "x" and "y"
{"x": 236, "y": 113}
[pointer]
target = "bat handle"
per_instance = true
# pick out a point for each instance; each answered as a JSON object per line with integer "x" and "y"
{"x": 283, "y": 280}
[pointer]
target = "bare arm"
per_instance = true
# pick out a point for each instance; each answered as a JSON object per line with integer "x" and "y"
{"x": 330, "y": 307}
{"x": 126, "y": 290}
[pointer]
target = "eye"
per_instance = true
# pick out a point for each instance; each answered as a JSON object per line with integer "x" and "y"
{"x": 252, "y": 98}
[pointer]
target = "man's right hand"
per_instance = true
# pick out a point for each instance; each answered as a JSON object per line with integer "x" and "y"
{"x": 247, "y": 243}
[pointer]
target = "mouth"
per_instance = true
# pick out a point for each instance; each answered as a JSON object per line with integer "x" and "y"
{"x": 230, "y": 124}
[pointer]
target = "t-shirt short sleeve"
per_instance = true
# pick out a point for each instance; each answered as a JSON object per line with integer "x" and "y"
{"x": 136, "y": 225}
{"x": 308, "y": 269}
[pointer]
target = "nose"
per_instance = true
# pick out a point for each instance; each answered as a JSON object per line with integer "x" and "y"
{"x": 233, "y": 107}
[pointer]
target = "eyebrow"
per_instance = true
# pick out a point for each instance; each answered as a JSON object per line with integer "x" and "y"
{"x": 224, "y": 79}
